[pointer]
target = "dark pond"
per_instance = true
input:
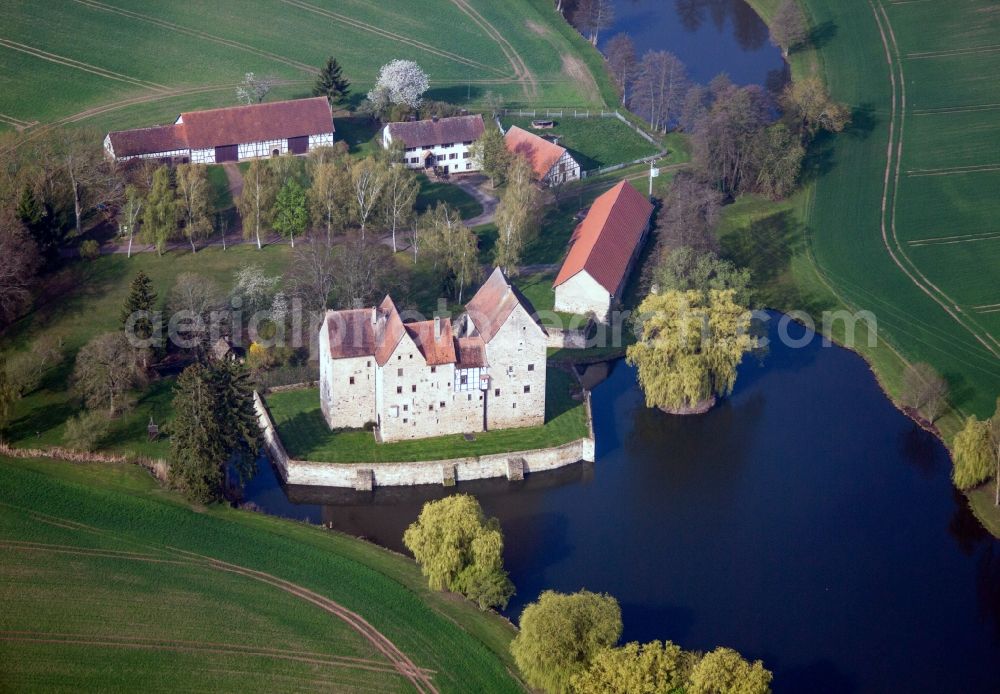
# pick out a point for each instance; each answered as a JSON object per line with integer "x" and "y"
{"x": 710, "y": 36}
{"x": 805, "y": 521}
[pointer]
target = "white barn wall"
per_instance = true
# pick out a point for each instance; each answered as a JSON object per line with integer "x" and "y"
{"x": 581, "y": 294}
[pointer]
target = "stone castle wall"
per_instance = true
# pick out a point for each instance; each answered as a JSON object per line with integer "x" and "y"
{"x": 351, "y": 475}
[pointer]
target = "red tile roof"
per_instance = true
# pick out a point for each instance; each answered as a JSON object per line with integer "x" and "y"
{"x": 277, "y": 120}
{"x": 540, "y": 153}
{"x": 160, "y": 138}
{"x": 471, "y": 352}
{"x": 436, "y": 351}
{"x": 427, "y": 133}
{"x": 604, "y": 242}
{"x": 365, "y": 332}
{"x": 388, "y": 330}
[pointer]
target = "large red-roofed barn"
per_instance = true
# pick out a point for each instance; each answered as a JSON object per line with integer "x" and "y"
{"x": 602, "y": 251}
{"x": 230, "y": 134}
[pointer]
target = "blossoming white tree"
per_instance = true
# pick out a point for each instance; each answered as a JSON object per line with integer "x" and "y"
{"x": 400, "y": 82}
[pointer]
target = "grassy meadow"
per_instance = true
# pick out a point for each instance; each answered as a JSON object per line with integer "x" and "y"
{"x": 927, "y": 266}
{"x": 126, "y": 63}
{"x": 306, "y": 436}
{"x": 110, "y": 582}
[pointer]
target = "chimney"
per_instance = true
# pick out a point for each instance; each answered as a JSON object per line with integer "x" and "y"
{"x": 437, "y": 328}
{"x": 434, "y": 119}
{"x": 374, "y": 315}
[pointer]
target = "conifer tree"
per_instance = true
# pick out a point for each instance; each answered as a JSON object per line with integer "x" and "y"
{"x": 331, "y": 83}
{"x": 141, "y": 302}
{"x": 214, "y": 424}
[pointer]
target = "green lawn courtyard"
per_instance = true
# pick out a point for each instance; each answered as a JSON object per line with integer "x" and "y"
{"x": 305, "y": 435}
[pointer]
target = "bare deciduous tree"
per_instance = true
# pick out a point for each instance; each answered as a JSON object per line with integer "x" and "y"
{"x": 106, "y": 368}
{"x": 19, "y": 264}
{"x": 368, "y": 178}
{"x": 194, "y": 204}
{"x": 312, "y": 272}
{"x": 789, "y": 27}
{"x": 401, "y": 188}
{"x": 924, "y": 390}
{"x": 622, "y": 61}
{"x": 361, "y": 270}
{"x": 660, "y": 88}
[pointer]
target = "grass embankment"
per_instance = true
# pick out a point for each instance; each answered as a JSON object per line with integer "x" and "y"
{"x": 593, "y": 142}
{"x": 110, "y": 582}
{"x": 306, "y": 436}
{"x": 908, "y": 238}
{"x": 149, "y": 61}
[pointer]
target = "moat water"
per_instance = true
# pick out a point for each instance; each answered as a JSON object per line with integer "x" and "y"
{"x": 710, "y": 36}
{"x": 804, "y": 521}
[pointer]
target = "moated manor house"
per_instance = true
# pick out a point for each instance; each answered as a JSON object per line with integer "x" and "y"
{"x": 411, "y": 380}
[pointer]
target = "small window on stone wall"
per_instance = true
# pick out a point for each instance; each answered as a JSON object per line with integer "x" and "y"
{"x": 441, "y": 404}
{"x": 531, "y": 367}
{"x": 406, "y": 408}
{"x": 413, "y": 388}
{"x": 527, "y": 389}
{"x": 399, "y": 372}
{"x": 352, "y": 380}
{"x": 514, "y": 406}
{"x": 399, "y": 389}
{"x": 496, "y": 392}
{"x": 434, "y": 369}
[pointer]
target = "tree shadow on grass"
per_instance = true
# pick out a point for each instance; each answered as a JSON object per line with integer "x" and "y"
{"x": 863, "y": 121}
{"x": 765, "y": 246}
{"x": 822, "y": 34}
{"x": 819, "y": 159}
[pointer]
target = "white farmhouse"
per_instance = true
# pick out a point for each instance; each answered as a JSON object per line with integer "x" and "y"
{"x": 430, "y": 378}
{"x": 602, "y": 251}
{"x": 551, "y": 163}
{"x": 230, "y": 134}
{"x": 437, "y": 142}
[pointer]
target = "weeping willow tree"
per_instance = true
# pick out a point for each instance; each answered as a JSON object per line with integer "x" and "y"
{"x": 690, "y": 344}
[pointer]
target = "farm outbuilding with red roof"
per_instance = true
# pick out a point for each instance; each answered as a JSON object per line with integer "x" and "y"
{"x": 230, "y": 134}
{"x": 551, "y": 163}
{"x": 602, "y": 251}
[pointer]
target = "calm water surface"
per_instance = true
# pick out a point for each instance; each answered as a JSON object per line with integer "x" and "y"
{"x": 710, "y": 36}
{"x": 805, "y": 521}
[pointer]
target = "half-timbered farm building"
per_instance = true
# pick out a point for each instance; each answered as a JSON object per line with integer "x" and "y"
{"x": 602, "y": 252}
{"x": 485, "y": 370}
{"x": 437, "y": 143}
{"x": 551, "y": 163}
{"x": 230, "y": 134}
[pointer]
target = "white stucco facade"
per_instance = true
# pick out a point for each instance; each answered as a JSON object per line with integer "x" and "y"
{"x": 455, "y": 156}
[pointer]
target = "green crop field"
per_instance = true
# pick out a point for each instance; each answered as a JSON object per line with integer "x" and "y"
{"x": 109, "y": 582}
{"x": 306, "y": 436}
{"x": 911, "y": 236}
{"x": 126, "y": 63}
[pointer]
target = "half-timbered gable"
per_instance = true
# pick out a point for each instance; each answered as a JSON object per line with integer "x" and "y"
{"x": 552, "y": 164}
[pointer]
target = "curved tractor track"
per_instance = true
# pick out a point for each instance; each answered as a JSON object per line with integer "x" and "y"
{"x": 398, "y": 661}
{"x": 890, "y": 193}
